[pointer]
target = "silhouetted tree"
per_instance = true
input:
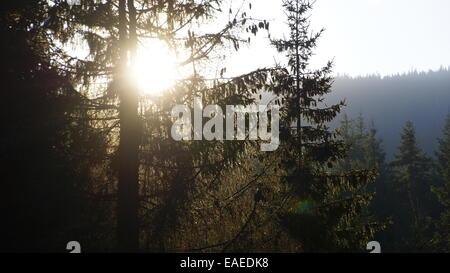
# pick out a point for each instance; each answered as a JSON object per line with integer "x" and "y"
{"x": 50, "y": 153}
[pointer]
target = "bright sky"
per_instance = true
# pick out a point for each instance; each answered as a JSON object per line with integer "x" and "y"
{"x": 364, "y": 36}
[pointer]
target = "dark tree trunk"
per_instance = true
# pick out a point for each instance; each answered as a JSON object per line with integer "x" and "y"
{"x": 128, "y": 187}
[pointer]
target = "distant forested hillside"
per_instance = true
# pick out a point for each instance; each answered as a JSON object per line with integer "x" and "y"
{"x": 421, "y": 97}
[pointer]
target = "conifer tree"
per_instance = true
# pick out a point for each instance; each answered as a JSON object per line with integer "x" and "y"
{"x": 413, "y": 177}
{"x": 325, "y": 208}
{"x": 376, "y": 153}
{"x": 365, "y": 151}
{"x": 364, "y": 148}
{"x": 50, "y": 152}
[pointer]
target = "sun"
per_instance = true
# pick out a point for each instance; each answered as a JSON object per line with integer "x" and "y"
{"x": 155, "y": 68}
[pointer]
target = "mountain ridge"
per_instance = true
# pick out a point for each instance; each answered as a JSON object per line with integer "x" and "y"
{"x": 390, "y": 101}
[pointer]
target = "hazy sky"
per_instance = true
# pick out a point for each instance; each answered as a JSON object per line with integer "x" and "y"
{"x": 364, "y": 36}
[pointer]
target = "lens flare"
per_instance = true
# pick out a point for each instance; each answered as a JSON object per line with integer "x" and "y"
{"x": 304, "y": 206}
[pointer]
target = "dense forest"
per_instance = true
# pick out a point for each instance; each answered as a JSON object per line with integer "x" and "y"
{"x": 88, "y": 156}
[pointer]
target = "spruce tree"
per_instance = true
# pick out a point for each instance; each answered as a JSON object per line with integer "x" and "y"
{"x": 375, "y": 153}
{"x": 412, "y": 175}
{"x": 364, "y": 147}
{"x": 50, "y": 152}
{"x": 365, "y": 151}
{"x": 324, "y": 208}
